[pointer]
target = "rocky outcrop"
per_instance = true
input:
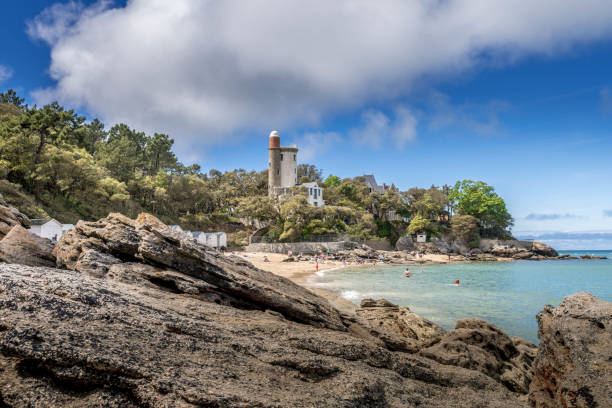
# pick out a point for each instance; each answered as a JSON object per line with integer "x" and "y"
{"x": 95, "y": 247}
{"x": 413, "y": 331}
{"x": 542, "y": 249}
{"x": 143, "y": 336}
{"x": 478, "y": 345}
{"x": 22, "y": 247}
{"x": 573, "y": 366}
{"x": 405, "y": 243}
{"x": 9, "y": 217}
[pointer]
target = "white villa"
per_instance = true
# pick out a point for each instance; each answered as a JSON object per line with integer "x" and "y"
{"x": 315, "y": 194}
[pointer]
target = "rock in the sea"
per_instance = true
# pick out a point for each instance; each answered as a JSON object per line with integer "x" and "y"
{"x": 95, "y": 247}
{"x": 541, "y": 248}
{"x": 392, "y": 319}
{"x": 573, "y": 366}
{"x": 9, "y": 217}
{"x": 22, "y": 247}
{"x": 144, "y": 336}
{"x": 478, "y": 345}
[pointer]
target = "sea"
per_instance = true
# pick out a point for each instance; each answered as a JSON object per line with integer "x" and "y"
{"x": 507, "y": 294}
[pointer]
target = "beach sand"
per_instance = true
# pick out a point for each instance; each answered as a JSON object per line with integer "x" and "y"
{"x": 302, "y": 272}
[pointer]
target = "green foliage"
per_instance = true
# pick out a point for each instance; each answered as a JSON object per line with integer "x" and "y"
{"x": 478, "y": 199}
{"x": 309, "y": 171}
{"x": 53, "y": 162}
{"x": 418, "y": 224}
{"x": 465, "y": 227}
{"x": 332, "y": 181}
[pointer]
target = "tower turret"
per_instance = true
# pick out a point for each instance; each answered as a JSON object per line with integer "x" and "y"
{"x": 282, "y": 166}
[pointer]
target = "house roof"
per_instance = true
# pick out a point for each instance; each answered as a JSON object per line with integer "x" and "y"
{"x": 43, "y": 221}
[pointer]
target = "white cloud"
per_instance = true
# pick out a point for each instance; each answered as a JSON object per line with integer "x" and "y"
{"x": 206, "y": 70}
{"x": 5, "y": 73}
{"x": 315, "y": 144}
{"x": 377, "y": 127}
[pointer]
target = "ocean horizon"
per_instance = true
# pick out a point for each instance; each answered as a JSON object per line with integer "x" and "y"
{"x": 507, "y": 294}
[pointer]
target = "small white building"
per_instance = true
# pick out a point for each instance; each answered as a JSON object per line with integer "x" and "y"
{"x": 47, "y": 228}
{"x": 211, "y": 240}
{"x": 314, "y": 194}
{"x": 421, "y": 238}
{"x": 222, "y": 239}
{"x": 66, "y": 227}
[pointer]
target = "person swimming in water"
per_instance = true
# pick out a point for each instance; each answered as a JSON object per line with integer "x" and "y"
{"x": 457, "y": 282}
{"x": 407, "y": 273}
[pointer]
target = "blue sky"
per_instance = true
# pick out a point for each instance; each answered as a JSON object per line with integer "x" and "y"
{"x": 404, "y": 92}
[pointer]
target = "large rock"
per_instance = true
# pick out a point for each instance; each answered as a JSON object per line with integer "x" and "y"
{"x": 573, "y": 367}
{"x": 9, "y": 217}
{"x": 542, "y": 249}
{"x": 145, "y": 336}
{"x": 95, "y": 247}
{"x": 416, "y": 331}
{"x": 405, "y": 243}
{"x": 22, "y": 247}
{"x": 478, "y": 345}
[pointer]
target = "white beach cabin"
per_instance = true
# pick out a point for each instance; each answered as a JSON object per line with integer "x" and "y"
{"x": 221, "y": 240}
{"x": 46, "y": 228}
{"x": 421, "y": 238}
{"x": 66, "y": 227}
{"x": 211, "y": 239}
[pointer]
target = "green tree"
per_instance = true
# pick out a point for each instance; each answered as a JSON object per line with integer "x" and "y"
{"x": 310, "y": 171}
{"x": 465, "y": 227}
{"x": 478, "y": 199}
{"x": 418, "y": 224}
{"x": 332, "y": 181}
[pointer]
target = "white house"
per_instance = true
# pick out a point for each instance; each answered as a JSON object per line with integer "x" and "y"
{"x": 66, "y": 227}
{"x": 47, "y": 228}
{"x": 314, "y": 194}
{"x": 421, "y": 238}
{"x": 222, "y": 239}
{"x": 211, "y": 240}
{"x": 199, "y": 236}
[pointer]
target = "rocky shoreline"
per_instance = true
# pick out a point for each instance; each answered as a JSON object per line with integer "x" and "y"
{"x": 133, "y": 314}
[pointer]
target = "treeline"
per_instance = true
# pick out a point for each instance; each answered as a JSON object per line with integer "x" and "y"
{"x": 74, "y": 169}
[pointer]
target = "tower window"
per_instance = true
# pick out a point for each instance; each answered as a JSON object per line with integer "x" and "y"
{"x": 281, "y": 157}
{"x": 278, "y": 171}
{"x": 294, "y": 159}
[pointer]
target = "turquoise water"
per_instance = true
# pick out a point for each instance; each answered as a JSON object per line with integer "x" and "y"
{"x": 507, "y": 294}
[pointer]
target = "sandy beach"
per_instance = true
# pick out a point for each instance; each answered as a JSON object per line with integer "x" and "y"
{"x": 301, "y": 272}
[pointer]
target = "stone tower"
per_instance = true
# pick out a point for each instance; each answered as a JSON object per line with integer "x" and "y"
{"x": 282, "y": 166}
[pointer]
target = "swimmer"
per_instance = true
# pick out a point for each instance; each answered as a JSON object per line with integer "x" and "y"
{"x": 407, "y": 273}
{"x": 457, "y": 282}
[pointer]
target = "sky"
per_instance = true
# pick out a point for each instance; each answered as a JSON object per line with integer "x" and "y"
{"x": 514, "y": 92}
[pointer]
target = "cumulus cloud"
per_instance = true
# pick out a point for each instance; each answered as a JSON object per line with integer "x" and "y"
{"x": 549, "y": 217}
{"x": 5, "y": 73}
{"x": 377, "y": 127}
{"x": 314, "y": 144}
{"x": 207, "y": 70}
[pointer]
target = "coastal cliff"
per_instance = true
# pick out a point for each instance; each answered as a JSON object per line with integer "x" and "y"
{"x": 136, "y": 315}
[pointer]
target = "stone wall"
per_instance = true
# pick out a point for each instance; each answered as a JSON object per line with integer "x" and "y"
{"x": 306, "y": 248}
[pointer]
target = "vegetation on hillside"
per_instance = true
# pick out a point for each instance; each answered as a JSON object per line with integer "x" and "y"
{"x": 55, "y": 163}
